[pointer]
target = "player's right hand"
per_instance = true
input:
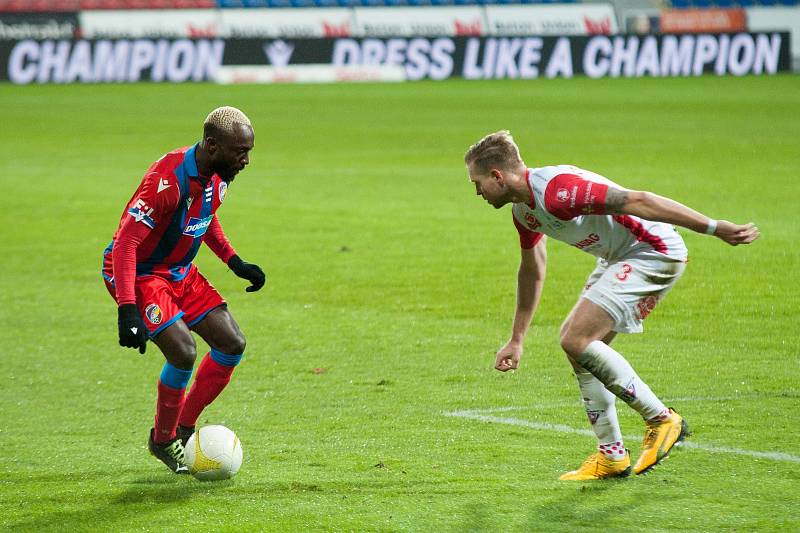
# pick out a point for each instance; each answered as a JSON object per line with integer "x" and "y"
{"x": 507, "y": 357}
{"x": 735, "y": 234}
{"x": 132, "y": 333}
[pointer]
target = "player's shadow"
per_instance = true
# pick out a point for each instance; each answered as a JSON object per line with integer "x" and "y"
{"x": 580, "y": 507}
{"x": 161, "y": 491}
{"x": 144, "y": 496}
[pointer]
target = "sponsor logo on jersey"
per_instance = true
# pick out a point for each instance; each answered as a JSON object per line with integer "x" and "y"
{"x": 209, "y": 193}
{"x": 163, "y": 184}
{"x": 196, "y": 227}
{"x": 223, "y": 188}
{"x": 532, "y": 221}
{"x": 573, "y": 195}
{"x": 153, "y": 314}
{"x": 645, "y": 306}
{"x": 141, "y": 212}
{"x": 588, "y": 241}
{"x": 588, "y": 199}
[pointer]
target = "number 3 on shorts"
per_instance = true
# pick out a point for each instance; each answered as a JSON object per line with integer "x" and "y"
{"x": 622, "y": 275}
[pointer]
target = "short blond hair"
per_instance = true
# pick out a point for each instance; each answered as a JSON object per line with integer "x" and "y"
{"x": 224, "y": 120}
{"x": 496, "y": 150}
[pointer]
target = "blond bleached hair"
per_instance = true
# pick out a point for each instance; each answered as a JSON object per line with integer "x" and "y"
{"x": 496, "y": 150}
{"x": 224, "y": 120}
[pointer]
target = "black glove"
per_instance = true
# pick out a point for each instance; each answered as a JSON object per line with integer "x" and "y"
{"x": 132, "y": 333}
{"x": 248, "y": 271}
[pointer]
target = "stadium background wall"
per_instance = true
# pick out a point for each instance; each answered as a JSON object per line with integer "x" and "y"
{"x": 182, "y": 60}
{"x": 18, "y": 26}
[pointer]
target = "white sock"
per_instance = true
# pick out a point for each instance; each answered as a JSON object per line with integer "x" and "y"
{"x": 607, "y": 365}
{"x": 599, "y": 403}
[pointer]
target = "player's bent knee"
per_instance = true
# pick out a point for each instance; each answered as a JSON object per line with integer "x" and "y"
{"x": 239, "y": 345}
{"x": 184, "y": 360}
{"x": 564, "y": 327}
{"x": 576, "y": 366}
{"x": 183, "y": 355}
{"x": 235, "y": 345}
{"x": 573, "y": 346}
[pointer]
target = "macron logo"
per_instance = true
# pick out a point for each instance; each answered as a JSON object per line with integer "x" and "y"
{"x": 163, "y": 184}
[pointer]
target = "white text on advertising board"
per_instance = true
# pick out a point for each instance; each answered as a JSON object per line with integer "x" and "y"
{"x": 114, "y": 61}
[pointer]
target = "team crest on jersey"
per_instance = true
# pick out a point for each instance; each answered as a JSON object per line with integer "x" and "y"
{"x": 153, "y": 314}
{"x": 223, "y": 188}
{"x": 562, "y": 195}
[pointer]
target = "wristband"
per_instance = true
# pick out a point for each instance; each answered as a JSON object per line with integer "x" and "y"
{"x": 712, "y": 226}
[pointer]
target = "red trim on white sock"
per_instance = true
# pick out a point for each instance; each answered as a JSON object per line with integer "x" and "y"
{"x": 613, "y": 450}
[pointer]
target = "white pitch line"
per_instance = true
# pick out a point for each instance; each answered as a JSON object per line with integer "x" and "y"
{"x": 576, "y": 401}
{"x": 561, "y": 428}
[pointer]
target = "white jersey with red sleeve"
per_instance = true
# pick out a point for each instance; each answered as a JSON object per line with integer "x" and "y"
{"x": 567, "y": 204}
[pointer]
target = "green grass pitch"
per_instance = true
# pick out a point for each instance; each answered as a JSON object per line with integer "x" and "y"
{"x": 385, "y": 270}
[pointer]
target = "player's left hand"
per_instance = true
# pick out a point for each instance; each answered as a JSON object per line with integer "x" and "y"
{"x": 736, "y": 234}
{"x": 248, "y": 271}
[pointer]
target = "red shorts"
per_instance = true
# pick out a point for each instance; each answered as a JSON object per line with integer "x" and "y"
{"x": 161, "y": 302}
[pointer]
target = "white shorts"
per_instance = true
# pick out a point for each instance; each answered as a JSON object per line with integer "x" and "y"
{"x": 630, "y": 289}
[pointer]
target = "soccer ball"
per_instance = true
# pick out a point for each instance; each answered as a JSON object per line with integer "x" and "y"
{"x": 213, "y": 452}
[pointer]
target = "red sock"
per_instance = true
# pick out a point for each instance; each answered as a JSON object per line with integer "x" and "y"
{"x": 168, "y": 409}
{"x": 210, "y": 379}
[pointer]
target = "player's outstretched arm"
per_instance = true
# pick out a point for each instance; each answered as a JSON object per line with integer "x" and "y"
{"x": 530, "y": 281}
{"x": 657, "y": 208}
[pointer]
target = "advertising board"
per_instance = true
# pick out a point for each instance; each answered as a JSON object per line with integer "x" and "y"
{"x": 437, "y": 58}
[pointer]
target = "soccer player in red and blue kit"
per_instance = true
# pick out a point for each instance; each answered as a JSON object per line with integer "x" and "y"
{"x": 148, "y": 270}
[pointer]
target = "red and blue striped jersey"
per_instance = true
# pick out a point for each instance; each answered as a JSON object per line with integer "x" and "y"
{"x": 171, "y": 213}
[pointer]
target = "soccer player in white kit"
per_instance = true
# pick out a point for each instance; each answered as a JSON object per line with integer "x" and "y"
{"x": 640, "y": 257}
